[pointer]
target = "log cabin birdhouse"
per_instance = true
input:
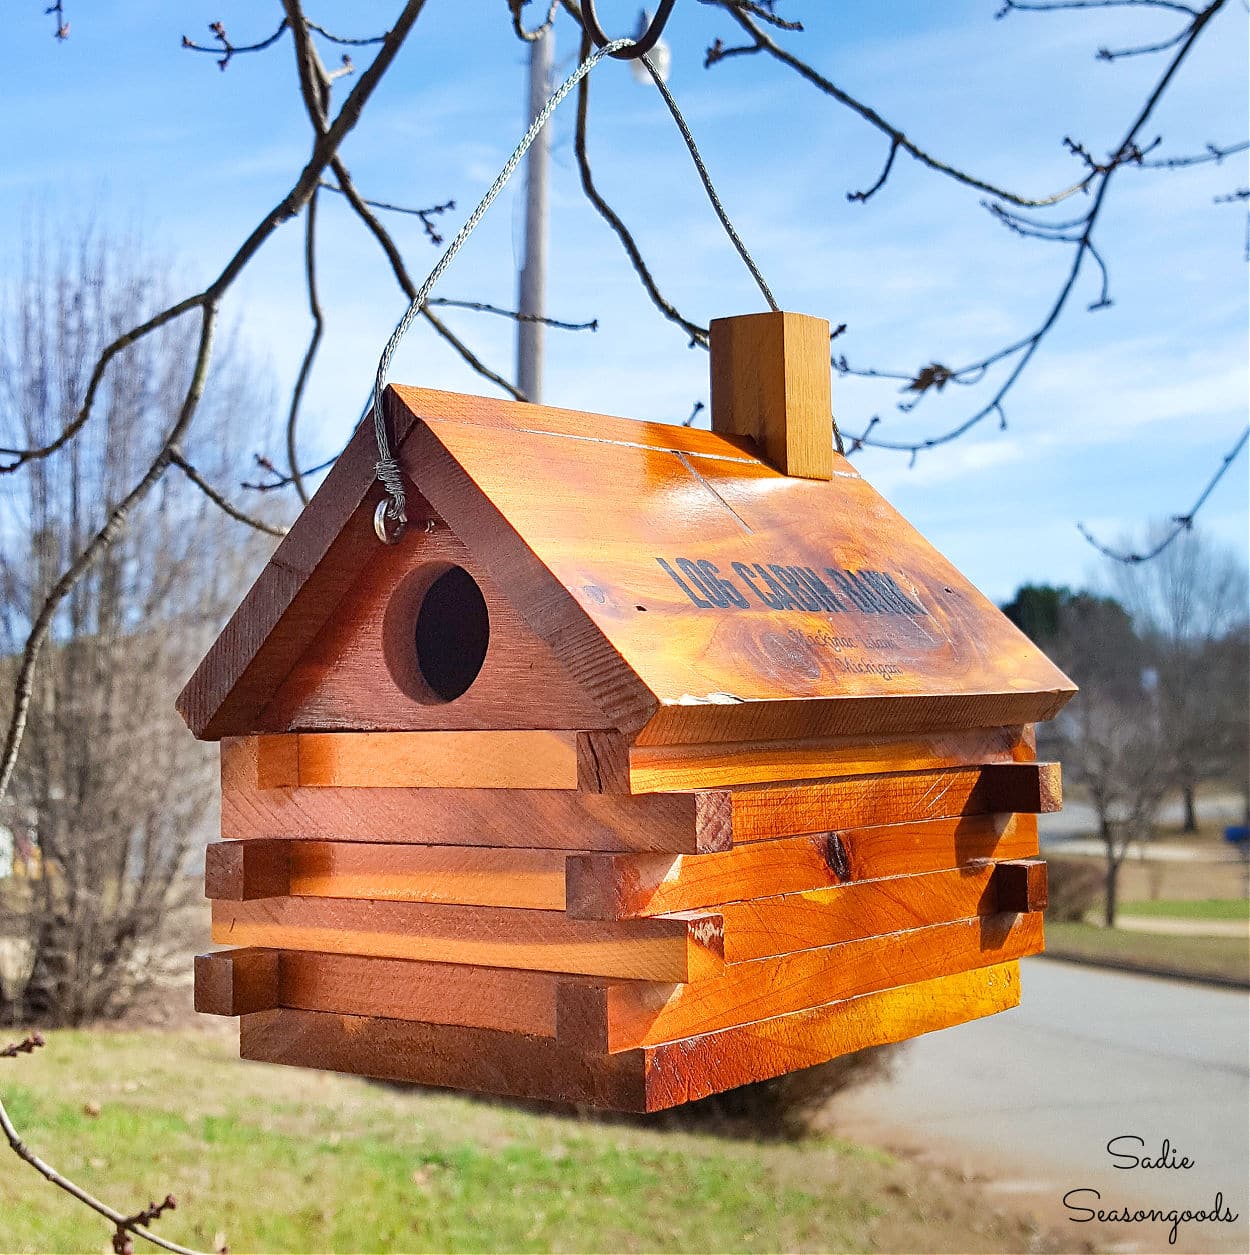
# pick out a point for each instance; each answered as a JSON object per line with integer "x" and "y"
{"x": 648, "y": 762}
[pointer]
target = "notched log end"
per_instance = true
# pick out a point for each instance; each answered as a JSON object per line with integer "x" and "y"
{"x": 236, "y": 982}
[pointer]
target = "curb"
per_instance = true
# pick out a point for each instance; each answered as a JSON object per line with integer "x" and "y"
{"x": 1148, "y": 969}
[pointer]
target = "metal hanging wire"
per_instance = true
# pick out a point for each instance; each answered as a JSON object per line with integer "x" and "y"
{"x": 391, "y": 517}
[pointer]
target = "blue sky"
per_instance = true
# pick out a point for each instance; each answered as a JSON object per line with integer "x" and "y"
{"x": 1121, "y": 417}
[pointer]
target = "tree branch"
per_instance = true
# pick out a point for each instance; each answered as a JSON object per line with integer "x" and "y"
{"x": 1180, "y": 522}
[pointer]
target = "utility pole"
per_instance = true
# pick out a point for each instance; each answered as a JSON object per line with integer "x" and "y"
{"x": 532, "y": 294}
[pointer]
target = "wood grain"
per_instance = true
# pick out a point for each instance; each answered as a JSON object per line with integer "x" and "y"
{"x": 660, "y": 768}
{"x": 719, "y": 662}
{"x": 405, "y": 989}
{"x": 1021, "y": 885}
{"x": 521, "y": 488}
{"x": 449, "y": 760}
{"x": 629, "y": 886}
{"x": 294, "y": 595}
{"x": 361, "y": 671}
{"x": 236, "y": 982}
{"x": 761, "y": 812}
{"x": 619, "y": 1015}
{"x": 770, "y": 381}
{"x": 527, "y": 818}
{"x": 647, "y": 1079}
{"x": 676, "y": 948}
{"x": 465, "y": 875}
{"x": 813, "y": 918}
{"x": 694, "y": 1068}
{"x": 484, "y": 1060}
{"x": 240, "y": 871}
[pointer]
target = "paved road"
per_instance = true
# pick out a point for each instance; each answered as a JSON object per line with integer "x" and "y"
{"x": 1029, "y": 1099}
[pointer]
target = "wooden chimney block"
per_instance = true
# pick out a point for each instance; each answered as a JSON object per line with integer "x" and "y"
{"x": 771, "y": 381}
{"x": 646, "y": 762}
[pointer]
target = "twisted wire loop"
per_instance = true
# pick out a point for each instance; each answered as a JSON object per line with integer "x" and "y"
{"x": 391, "y": 518}
{"x": 387, "y": 468}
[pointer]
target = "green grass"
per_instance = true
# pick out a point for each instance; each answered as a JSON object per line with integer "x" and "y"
{"x": 286, "y": 1160}
{"x": 1226, "y": 957}
{"x": 1209, "y": 908}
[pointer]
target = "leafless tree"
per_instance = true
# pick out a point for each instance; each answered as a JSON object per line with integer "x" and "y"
{"x": 1191, "y": 607}
{"x": 111, "y": 793}
{"x": 1115, "y": 741}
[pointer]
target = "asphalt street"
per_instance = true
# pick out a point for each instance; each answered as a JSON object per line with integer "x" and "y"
{"x": 1030, "y": 1099}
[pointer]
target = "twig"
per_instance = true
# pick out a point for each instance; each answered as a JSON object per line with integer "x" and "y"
{"x": 698, "y": 335}
{"x": 222, "y": 503}
{"x": 482, "y": 307}
{"x": 1180, "y": 522}
{"x": 763, "y": 42}
{"x": 518, "y": 27}
{"x": 426, "y": 216}
{"x": 123, "y": 1225}
{"x": 1101, "y": 174}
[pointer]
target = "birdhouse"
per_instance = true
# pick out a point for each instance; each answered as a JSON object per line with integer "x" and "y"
{"x": 648, "y": 762}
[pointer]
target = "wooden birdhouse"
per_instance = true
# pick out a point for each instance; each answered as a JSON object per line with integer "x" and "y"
{"x": 648, "y": 762}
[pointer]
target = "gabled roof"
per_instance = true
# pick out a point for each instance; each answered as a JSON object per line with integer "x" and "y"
{"x": 693, "y": 591}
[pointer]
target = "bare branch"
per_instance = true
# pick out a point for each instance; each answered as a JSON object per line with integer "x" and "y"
{"x": 518, "y": 28}
{"x": 222, "y": 503}
{"x": 763, "y": 42}
{"x": 1180, "y": 522}
{"x": 123, "y": 1225}
{"x": 1128, "y": 153}
{"x": 698, "y": 335}
{"x": 102, "y": 540}
{"x": 1213, "y": 153}
{"x": 230, "y": 49}
{"x": 881, "y": 178}
{"x": 1050, "y": 6}
{"x": 426, "y": 216}
{"x": 482, "y": 307}
{"x": 56, "y": 10}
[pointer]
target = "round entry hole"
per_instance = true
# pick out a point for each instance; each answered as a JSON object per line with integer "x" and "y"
{"x": 452, "y": 633}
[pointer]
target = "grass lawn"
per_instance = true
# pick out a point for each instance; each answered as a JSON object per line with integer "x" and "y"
{"x": 1227, "y": 957}
{"x": 279, "y": 1159}
{"x": 1209, "y": 908}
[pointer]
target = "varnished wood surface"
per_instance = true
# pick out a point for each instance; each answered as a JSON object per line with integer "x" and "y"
{"x": 809, "y": 919}
{"x": 729, "y": 671}
{"x": 762, "y": 812}
{"x": 236, "y": 982}
{"x": 696, "y": 1067}
{"x": 478, "y": 1059}
{"x": 242, "y": 870}
{"x": 626, "y": 886}
{"x": 440, "y": 993}
{"x": 619, "y": 1015}
{"x": 671, "y": 949}
{"x": 294, "y": 595}
{"x": 660, "y": 768}
{"x": 771, "y": 382}
{"x": 527, "y": 818}
{"x": 460, "y": 874}
{"x": 361, "y": 670}
{"x": 650, "y": 1078}
{"x": 492, "y": 759}
{"x": 1021, "y": 885}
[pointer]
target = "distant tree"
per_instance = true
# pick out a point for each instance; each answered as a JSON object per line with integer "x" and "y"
{"x": 1114, "y": 742}
{"x": 112, "y": 790}
{"x": 1191, "y": 606}
{"x": 1035, "y": 610}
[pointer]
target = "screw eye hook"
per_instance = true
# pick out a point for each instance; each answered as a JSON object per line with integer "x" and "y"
{"x": 642, "y": 45}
